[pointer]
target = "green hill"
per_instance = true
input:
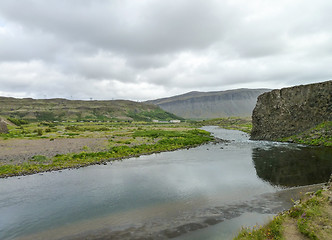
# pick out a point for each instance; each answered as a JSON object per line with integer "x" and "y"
{"x": 77, "y": 110}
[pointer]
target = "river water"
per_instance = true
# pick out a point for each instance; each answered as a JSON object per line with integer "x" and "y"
{"x": 207, "y": 192}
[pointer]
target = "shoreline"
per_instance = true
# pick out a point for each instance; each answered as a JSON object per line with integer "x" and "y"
{"x": 309, "y": 217}
{"x": 97, "y": 161}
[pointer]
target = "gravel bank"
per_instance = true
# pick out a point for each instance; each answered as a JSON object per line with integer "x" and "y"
{"x": 14, "y": 151}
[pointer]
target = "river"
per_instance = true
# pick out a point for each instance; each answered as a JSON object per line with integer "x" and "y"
{"x": 207, "y": 192}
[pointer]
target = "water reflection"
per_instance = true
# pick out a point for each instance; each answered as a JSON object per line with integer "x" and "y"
{"x": 293, "y": 166}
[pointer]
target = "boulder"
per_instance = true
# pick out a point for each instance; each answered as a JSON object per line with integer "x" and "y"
{"x": 3, "y": 127}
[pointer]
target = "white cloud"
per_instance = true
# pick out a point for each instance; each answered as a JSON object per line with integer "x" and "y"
{"x": 149, "y": 49}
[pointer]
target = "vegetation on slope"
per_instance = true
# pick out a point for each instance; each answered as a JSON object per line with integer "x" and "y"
{"x": 320, "y": 135}
{"x": 17, "y": 122}
{"x": 74, "y": 110}
{"x": 156, "y": 114}
{"x": 310, "y": 218}
{"x": 273, "y": 230}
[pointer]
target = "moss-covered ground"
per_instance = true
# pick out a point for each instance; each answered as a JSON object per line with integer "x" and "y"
{"x": 321, "y": 135}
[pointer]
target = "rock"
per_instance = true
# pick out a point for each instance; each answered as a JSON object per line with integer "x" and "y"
{"x": 288, "y": 111}
{"x": 3, "y": 127}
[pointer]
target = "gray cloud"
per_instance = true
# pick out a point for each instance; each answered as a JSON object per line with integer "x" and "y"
{"x": 140, "y": 26}
{"x": 152, "y": 48}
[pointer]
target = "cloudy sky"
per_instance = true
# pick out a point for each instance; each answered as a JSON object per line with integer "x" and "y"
{"x": 147, "y": 49}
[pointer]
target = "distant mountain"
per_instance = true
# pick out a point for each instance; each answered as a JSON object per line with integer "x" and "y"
{"x": 63, "y": 110}
{"x": 208, "y": 105}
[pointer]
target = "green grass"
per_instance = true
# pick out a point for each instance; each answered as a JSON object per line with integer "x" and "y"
{"x": 273, "y": 230}
{"x": 312, "y": 218}
{"x": 155, "y": 114}
{"x": 17, "y": 122}
{"x": 146, "y": 141}
{"x": 39, "y": 159}
{"x": 321, "y": 135}
{"x": 310, "y": 215}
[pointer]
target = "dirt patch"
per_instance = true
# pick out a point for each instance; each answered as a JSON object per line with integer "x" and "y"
{"x": 318, "y": 223}
{"x": 291, "y": 232}
{"x": 14, "y": 151}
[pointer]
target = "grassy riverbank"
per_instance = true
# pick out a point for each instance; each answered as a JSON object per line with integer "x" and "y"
{"x": 118, "y": 140}
{"x": 309, "y": 218}
{"x": 321, "y": 135}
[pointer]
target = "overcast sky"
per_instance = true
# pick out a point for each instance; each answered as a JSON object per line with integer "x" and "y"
{"x": 147, "y": 49}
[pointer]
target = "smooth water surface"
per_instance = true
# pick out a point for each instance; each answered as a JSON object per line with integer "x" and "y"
{"x": 207, "y": 192}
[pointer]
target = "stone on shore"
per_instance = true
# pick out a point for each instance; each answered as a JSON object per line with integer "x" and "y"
{"x": 3, "y": 127}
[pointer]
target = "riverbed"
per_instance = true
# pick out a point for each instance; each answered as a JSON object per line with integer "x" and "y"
{"x": 207, "y": 192}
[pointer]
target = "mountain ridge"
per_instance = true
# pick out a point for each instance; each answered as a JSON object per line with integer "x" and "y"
{"x": 215, "y": 104}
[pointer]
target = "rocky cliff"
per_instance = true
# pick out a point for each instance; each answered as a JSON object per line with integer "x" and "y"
{"x": 288, "y": 111}
{"x": 208, "y": 105}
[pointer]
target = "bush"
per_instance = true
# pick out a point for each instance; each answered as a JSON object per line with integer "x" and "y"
{"x": 18, "y": 122}
{"x": 73, "y": 128}
{"x": 39, "y": 132}
{"x": 39, "y": 158}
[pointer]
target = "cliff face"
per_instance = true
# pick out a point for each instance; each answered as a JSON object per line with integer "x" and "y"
{"x": 288, "y": 111}
{"x": 208, "y": 105}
